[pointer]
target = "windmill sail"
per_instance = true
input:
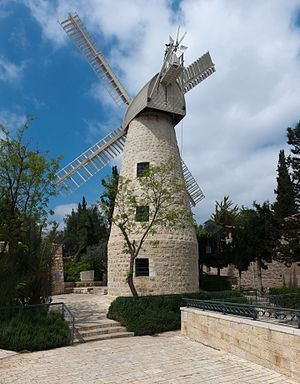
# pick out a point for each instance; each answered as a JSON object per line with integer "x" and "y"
{"x": 198, "y": 71}
{"x": 77, "y": 32}
{"x": 90, "y": 162}
{"x": 194, "y": 191}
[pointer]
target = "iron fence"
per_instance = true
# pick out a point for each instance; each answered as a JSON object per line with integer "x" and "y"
{"x": 8, "y": 312}
{"x": 255, "y": 312}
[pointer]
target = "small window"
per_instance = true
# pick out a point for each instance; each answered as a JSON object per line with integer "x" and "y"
{"x": 142, "y": 169}
{"x": 142, "y": 213}
{"x": 141, "y": 267}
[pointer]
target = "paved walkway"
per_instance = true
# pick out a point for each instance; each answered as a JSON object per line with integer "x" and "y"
{"x": 86, "y": 308}
{"x": 165, "y": 359}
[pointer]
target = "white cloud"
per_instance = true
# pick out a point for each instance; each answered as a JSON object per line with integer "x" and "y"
{"x": 61, "y": 211}
{"x": 12, "y": 120}
{"x": 236, "y": 120}
{"x": 10, "y": 72}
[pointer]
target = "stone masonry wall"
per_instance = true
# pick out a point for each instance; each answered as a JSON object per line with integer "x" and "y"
{"x": 273, "y": 346}
{"x": 58, "y": 285}
{"x": 173, "y": 263}
{"x": 277, "y": 275}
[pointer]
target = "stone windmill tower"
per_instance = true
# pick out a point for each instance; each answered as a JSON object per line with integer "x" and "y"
{"x": 146, "y": 138}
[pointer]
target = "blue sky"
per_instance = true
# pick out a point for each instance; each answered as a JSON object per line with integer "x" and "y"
{"x": 236, "y": 119}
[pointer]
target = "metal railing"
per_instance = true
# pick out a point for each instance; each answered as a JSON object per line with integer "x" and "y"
{"x": 255, "y": 312}
{"x": 290, "y": 300}
{"x": 61, "y": 308}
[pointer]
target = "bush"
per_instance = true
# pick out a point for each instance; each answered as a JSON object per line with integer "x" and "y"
{"x": 34, "y": 331}
{"x": 147, "y": 315}
{"x": 72, "y": 269}
{"x": 215, "y": 283}
{"x": 283, "y": 291}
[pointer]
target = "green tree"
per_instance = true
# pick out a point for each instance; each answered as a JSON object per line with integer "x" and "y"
{"x": 26, "y": 184}
{"x": 83, "y": 228}
{"x": 225, "y": 212}
{"x": 109, "y": 194}
{"x": 159, "y": 190}
{"x": 242, "y": 253}
{"x": 288, "y": 246}
{"x": 285, "y": 204}
{"x": 220, "y": 227}
{"x": 262, "y": 236}
{"x": 293, "y": 135}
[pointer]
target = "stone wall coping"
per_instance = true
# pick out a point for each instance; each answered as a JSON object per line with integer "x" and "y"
{"x": 244, "y": 320}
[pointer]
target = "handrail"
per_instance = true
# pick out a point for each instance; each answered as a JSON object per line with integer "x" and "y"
{"x": 248, "y": 310}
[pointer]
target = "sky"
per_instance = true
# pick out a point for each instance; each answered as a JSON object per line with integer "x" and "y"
{"x": 236, "y": 119}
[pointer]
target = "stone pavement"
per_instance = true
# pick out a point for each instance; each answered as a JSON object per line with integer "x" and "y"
{"x": 86, "y": 308}
{"x": 165, "y": 359}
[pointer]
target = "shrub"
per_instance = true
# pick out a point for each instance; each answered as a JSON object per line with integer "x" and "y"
{"x": 34, "y": 331}
{"x": 72, "y": 269}
{"x": 147, "y": 315}
{"x": 283, "y": 291}
{"x": 215, "y": 283}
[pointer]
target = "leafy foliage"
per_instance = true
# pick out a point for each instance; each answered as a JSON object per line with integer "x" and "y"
{"x": 109, "y": 194}
{"x": 72, "y": 269}
{"x": 288, "y": 247}
{"x": 149, "y": 315}
{"x": 34, "y": 331}
{"x": 83, "y": 228}
{"x": 215, "y": 283}
{"x": 26, "y": 184}
{"x": 285, "y": 204}
{"x": 293, "y": 135}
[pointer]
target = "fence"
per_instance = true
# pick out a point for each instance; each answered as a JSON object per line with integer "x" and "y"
{"x": 256, "y": 312}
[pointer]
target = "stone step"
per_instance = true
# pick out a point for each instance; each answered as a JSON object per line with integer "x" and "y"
{"x": 101, "y": 324}
{"x": 101, "y": 331}
{"x": 105, "y": 336}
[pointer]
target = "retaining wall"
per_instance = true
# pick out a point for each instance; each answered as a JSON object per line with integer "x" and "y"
{"x": 273, "y": 346}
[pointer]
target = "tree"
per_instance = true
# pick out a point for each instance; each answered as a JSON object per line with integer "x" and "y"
{"x": 225, "y": 212}
{"x": 293, "y": 135}
{"x": 220, "y": 227}
{"x": 262, "y": 236}
{"x": 26, "y": 181}
{"x": 26, "y": 184}
{"x": 285, "y": 204}
{"x": 83, "y": 228}
{"x": 109, "y": 194}
{"x": 241, "y": 252}
{"x": 288, "y": 245}
{"x": 158, "y": 201}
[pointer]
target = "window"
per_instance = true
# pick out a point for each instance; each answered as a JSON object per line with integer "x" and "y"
{"x": 142, "y": 169}
{"x": 141, "y": 267}
{"x": 142, "y": 213}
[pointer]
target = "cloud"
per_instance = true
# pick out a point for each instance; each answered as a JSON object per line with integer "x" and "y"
{"x": 10, "y": 72}
{"x": 61, "y": 211}
{"x": 236, "y": 120}
{"x": 12, "y": 120}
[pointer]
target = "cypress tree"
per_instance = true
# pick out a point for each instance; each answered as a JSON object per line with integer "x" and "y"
{"x": 285, "y": 194}
{"x": 293, "y": 135}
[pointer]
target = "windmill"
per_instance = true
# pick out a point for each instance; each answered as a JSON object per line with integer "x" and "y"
{"x": 146, "y": 135}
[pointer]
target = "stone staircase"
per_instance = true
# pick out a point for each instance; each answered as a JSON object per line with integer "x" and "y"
{"x": 101, "y": 330}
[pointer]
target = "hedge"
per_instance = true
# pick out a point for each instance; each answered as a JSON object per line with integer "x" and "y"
{"x": 148, "y": 315}
{"x": 215, "y": 283}
{"x": 34, "y": 331}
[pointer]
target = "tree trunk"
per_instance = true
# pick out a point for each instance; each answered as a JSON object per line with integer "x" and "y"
{"x": 200, "y": 273}
{"x": 240, "y": 279}
{"x": 258, "y": 275}
{"x": 130, "y": 277}
{"x": 218, "y": 271}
